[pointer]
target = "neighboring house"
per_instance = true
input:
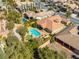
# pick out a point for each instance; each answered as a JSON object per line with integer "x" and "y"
{"x": 2, "y": 4}
{"x": 74, "y": 18}
{"x": 30, "y": 13}
{"x": 44, "y": 6}
{"x": 3, "y": 30}
{"x": 53, "y": 24}
{"x": 24, "y": 5}
{"x": 28, "y": 4}
{"x": 40, "y": 5}
{"x": 40, "y": 15}
{"x": 37, "y": 3}
{"x": 43, "y": 15}
{"x": 69, "y": 38}
{"x": 72, "y": 5}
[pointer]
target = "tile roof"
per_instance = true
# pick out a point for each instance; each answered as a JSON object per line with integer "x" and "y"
{"x": 69, "y": 38}
{"x": 52, "y": 23}
{"x": 40, "y": 14}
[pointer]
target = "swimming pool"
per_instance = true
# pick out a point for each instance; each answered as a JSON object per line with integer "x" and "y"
{"x": 34, "y": 32}
{"x": 24, "y": 20}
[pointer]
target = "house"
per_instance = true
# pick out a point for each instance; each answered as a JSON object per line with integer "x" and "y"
{"x": 40, "y": 15}
{"x": 69, "y": 38}
{"x": 24, "y": 5}
{"x": 43, "y": 15}
{"x": 2, "y": 4}
{"x": 30, "y": 13}
{"x": 72, "y": 5}
{"x": 74, "y": 18}
{"x": 40, "y": 5}
{"x": 53, "y": 24}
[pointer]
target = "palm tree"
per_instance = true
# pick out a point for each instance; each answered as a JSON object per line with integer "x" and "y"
{"x": 51, "y": 37}
{"x": 11, "y": 3}
{"x": 68, "y": 14}
{"x": 17, "y": 50}
{"x": 2, "y": 55}
{"x": 10, "y": 25}
{"x": 46, "y": 53}
{"x": 12, "y": 14}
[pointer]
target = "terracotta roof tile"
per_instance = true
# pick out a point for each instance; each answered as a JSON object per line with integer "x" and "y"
{"x": 52, "y": 23}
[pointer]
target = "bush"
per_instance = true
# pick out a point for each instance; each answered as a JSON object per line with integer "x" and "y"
{"x": 39, "y": 27}
{"x": 22, "y": 31}
{"x": 10, "y": 25}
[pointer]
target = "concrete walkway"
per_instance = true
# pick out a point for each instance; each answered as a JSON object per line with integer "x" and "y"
{"x": 15, "y": 33}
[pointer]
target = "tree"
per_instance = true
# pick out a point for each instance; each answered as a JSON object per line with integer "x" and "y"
{"x": 22, "y": 0}
{"x": 10, "y": 25}
{"x": 51, "y": 37}
{"x": 1, "y": 17}
{"x": 46, "y": 53}
{"x": 34, "y": 25}
{"x": 33, "y": 8}
{"x": 13, "y": 15}
{"x": 36, "y": 54}
{"x": 22, "y": 31}
{"x": 3, "y": 0}
{"x": 28, "y": 37}
{"x": 17, "y": 50}
{"x": 2, "y": 54}
{"x": 10, "y": 3}
{"x": 43, "y": 0}
{"x": 30, "y": 0}
{"x": 68, "y": 14}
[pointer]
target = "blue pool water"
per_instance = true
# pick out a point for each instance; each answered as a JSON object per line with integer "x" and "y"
{"x": 24, "y": 20}
{"x": 35, "y": 32}
{"x": 17, "y": 30}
